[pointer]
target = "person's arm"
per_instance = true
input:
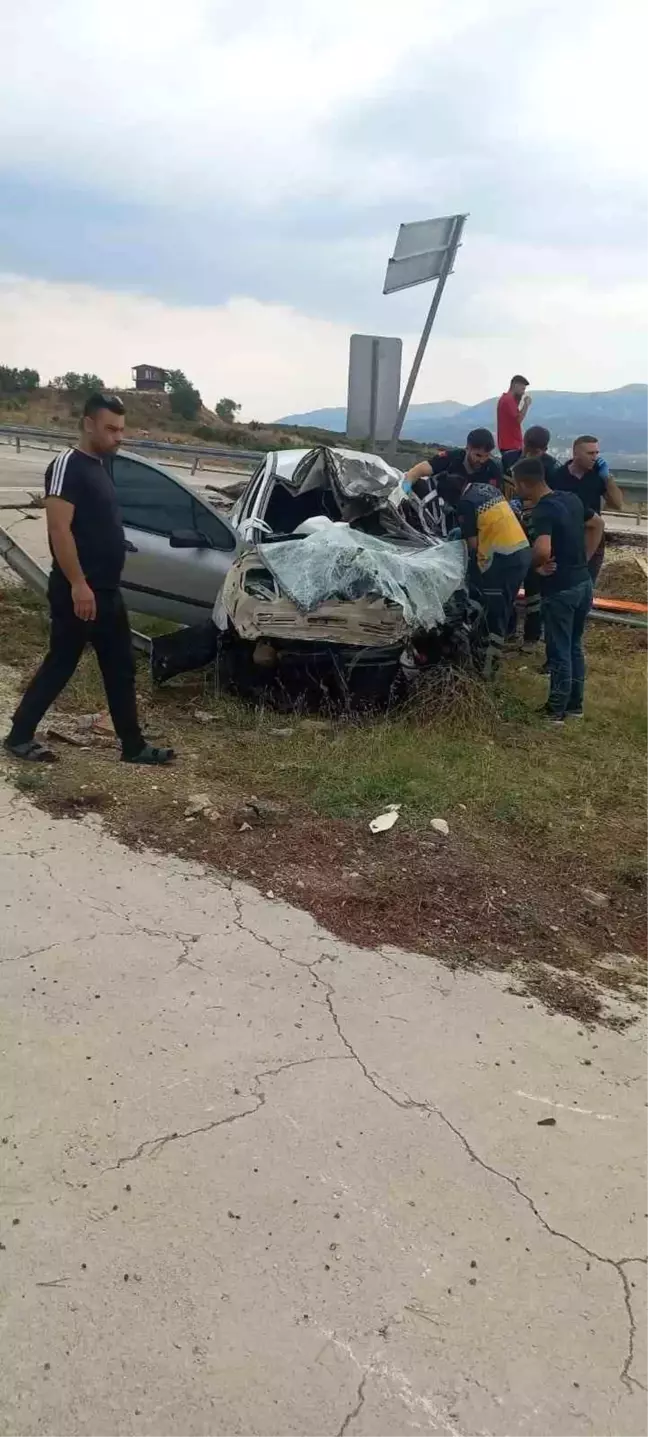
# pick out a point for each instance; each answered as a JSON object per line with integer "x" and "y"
{"x": 613, "y": 495}
{"x": 594, "y": 531}
{"x": 60, "y": 514}
{"x": 467, "y": 521}
{"x": 541, "y": 559}
{"x": 419, "y": 471}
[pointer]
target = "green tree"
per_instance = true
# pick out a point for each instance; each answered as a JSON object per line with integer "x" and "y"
{"x": 184, "y": 398}
{"x": 78, "y": 383}
{"x": 227, "y": 410}
{"x": 18, "y": 381}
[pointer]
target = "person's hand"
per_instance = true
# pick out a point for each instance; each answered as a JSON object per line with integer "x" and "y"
{"x": 527, "y": 401}
{"x": 602, "y": 467}
{"x": 546, "y": 569}
{"x": 83, "y": 599}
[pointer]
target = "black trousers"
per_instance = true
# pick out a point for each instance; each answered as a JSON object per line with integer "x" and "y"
{"x": 110, "y": 637}
{"x": 497, "y": 588}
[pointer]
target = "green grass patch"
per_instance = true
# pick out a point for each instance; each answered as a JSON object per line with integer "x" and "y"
{"x": 480, "y": 758}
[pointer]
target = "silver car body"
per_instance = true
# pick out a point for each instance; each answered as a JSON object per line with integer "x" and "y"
{"x": 168, "y": 576}
{"x": 179, "y": 582}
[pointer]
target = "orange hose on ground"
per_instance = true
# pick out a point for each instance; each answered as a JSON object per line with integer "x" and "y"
{"x": 621, "y": 606}
{"x": 624, "y": 606}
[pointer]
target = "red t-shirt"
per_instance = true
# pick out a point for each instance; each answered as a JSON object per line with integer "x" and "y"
{"x": 509, "y": 427}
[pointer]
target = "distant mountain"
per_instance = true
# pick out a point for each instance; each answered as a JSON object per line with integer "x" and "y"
{"x": 336, "y": 418}
{"x": 618, "y": 418}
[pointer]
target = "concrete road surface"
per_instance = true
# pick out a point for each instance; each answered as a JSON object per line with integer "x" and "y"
{"x": 258, "y": 1181}
{"x": 25, "y": 471}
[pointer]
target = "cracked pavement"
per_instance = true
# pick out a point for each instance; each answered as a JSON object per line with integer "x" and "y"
{"x": 255, "y": 1180}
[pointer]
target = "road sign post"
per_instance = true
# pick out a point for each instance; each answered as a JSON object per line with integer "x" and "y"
{"x": 374, "y": 386}
{"x": 424, "y": 251}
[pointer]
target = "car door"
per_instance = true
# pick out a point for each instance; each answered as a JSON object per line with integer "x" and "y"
{"x": 165, "y": 573}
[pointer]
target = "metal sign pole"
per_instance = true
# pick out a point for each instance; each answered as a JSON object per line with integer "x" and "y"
{"x": 373, "y": 408}
{"x": 427, "y": 329}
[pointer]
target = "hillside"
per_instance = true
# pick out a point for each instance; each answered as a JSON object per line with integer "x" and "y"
{"x": 148, "y": 416}
{"x": 616, "y": 416}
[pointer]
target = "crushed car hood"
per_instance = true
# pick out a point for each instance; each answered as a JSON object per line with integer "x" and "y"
{"x": 347, "y": 564}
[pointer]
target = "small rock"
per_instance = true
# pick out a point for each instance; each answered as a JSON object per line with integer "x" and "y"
{"x": 440, "y": 826}
{"x": 201, "y": 716}
{"x": 282, "y": 732}
{"x": 245, "y": 828}
{"x": 546, "y": 1122}
{"x": 198, "y": 803}
{"x": 597, "y": 900}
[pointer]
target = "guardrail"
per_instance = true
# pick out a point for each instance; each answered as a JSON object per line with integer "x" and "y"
{"x": 24, "y": 433}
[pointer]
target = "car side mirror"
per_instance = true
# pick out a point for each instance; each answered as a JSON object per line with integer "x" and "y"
{"x": 189, "y": 539}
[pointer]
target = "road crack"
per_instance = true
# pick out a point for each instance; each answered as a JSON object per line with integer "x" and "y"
{"x": 354, "y": 1410}
{"x": 408, "y": 1103}
{"x": 152, "y": 1147}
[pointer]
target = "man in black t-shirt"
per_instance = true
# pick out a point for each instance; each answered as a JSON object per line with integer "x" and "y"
{"x": 564, "y": 535}
{"x": 536, "y": 444}
{"x": 587, "y": 475}
{"x": 474, "y": 462}
{"x": 88, "y": 548}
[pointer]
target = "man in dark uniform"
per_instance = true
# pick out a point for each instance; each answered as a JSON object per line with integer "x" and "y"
{"x": 86, "y": 538}
{"x": 468, "y": 481}
{"x": 474, "y": 462}
{"x": 536, "y": 445}
{"x": 587, "y": 475}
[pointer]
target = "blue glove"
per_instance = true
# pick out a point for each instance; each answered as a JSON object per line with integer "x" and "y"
{"x": 602, "y": 468}
{"x": 455, "y": 533}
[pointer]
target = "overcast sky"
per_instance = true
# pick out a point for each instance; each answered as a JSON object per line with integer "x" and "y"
{"x": 216, "y": 186}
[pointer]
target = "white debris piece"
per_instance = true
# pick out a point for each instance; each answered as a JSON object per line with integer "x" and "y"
{"x": 440, "y": 826}
{"x": 385, "y": 820}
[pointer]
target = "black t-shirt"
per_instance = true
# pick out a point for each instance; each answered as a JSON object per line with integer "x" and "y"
{"x": 562, "y": 516}
{"x": 453, "y": 461}
{"x": 550, "y": 466}
{"x": 96, "y": 525}
{"x": 591, "y": 488}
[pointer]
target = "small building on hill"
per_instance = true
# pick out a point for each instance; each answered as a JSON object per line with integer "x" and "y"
{"x": 149, "y": 376}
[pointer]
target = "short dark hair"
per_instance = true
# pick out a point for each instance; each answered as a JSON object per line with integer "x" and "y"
{"x": 97, "y": 401}
{"x": 530, "y": 469}
{"x": 519, "y": 379}
{"x": 537, "y": 436}
{"x": 481, "y": 439}
{"x": 586, "y": 439}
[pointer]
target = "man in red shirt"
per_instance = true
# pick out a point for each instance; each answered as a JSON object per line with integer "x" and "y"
{"x": 512, "y": 409}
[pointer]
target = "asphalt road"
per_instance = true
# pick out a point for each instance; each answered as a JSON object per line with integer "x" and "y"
{"x": 258, "y": 1181}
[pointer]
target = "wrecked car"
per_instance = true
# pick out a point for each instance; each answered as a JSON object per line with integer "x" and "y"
{"x": 338, "y": 575}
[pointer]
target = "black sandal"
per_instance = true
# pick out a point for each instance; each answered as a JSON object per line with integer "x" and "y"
{"x": 30, "y": 752}
{"x": 150, "y": 755}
